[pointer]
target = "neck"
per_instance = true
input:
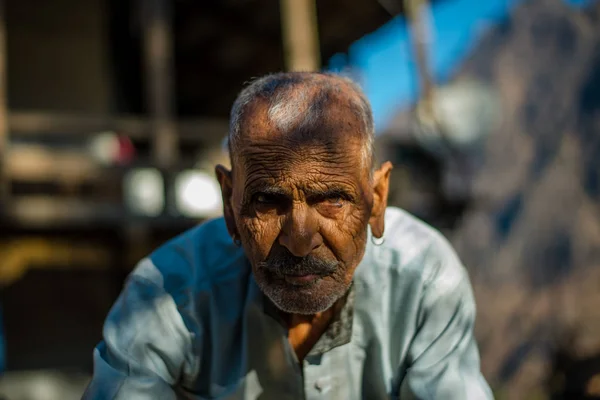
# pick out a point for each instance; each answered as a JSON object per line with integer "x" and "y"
{"x": 304, "y": 331}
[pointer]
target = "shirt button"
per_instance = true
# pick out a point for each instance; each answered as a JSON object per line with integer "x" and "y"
{"x": 321, "y": 385}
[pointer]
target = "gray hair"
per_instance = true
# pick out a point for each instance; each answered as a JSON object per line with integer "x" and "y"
{"x": 297, "y": 100}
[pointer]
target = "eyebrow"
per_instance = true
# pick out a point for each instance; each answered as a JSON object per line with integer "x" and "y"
{"x": 332, "y": 190}
{"x": 253, "y": 189}
{"x": 268, "y": 189}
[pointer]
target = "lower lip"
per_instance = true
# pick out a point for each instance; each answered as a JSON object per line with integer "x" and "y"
{"x": 301, "y": 280}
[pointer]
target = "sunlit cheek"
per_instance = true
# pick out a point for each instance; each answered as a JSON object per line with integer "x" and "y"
{"x": 261, "y": 234}
{"x": 356, "y": 227}
{"x": 346, "y": 234}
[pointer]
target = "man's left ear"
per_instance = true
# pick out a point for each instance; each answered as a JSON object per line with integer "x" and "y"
{"x": 381, "y": 186}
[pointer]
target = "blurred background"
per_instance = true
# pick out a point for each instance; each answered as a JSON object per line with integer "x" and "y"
{"x": 113, "y": 114}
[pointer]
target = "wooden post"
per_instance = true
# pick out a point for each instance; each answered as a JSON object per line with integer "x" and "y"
{"x": 415, "y": 10}
{"x": 158, "y": 52}
{"x": 4, "y": 182}
{"x": 300, "y": 35}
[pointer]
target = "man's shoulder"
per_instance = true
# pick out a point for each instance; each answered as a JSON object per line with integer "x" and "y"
{"x": 198, "y": 257}
{"x": 413, "y": 247}
{"x": 407, "y": 234}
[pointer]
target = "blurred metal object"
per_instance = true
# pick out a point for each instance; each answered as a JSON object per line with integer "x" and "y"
{"x": 300, "y": 35}
{"x": 463, "y": 114}
{"x": 159, "y": 59}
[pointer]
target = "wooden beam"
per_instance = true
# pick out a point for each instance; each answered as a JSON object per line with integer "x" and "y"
{"x": 36, "y": 163}
{"x": 23, "y": 254}
{"x": 29, "y": 124}
{"x": 300, "y": 35}
{"x": 52, "y": 212}
{"x": 73, "y": 166}
{"x": 159, "y": 59}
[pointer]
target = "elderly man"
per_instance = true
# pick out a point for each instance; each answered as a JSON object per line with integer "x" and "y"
{"x": 309, "y": 287}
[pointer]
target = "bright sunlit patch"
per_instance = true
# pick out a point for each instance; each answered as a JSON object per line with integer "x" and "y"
{"x": 197, "y": 194}
{"x": 144, "y": 192}
{"x": 104, "y": 147}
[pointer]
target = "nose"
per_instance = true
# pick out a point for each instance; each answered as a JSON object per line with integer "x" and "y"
{"x": 300, "y": 231}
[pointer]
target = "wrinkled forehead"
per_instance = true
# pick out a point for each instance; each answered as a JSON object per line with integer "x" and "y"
{"x": 314, "y": 153}
{"x": 317, "y": 132}
{"x": 305, "y": 167}
{"x": 294, "y": 158}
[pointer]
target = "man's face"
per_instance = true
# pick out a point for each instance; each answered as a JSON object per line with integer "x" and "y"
{"x": 301, "y": 206}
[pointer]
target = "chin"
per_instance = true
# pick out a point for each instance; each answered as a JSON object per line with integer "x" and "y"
{"x": 305, "y": 299}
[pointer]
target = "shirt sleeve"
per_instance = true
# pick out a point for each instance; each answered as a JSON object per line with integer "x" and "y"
{"x": 443, "y": 356}
{"x": 144, "y": 347}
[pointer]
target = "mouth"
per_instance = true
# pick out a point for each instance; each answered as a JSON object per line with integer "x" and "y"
{"x": 302, "y": 280}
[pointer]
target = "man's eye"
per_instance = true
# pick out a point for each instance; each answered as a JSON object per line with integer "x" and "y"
{"x": 262, "y": 198}
{"x": 336, "y": 201}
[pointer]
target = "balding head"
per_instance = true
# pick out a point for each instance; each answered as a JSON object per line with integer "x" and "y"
{"x": 303, "y": 104}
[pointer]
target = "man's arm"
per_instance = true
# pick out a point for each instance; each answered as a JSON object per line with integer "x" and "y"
{"x": 444, "y": 356}
{"x": 145, "y": 345}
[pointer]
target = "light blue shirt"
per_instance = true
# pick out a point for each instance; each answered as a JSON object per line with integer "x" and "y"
{"x": 192, "y": 323}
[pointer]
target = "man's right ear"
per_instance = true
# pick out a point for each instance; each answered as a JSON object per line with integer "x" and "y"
{"x": 226, "y": 182}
